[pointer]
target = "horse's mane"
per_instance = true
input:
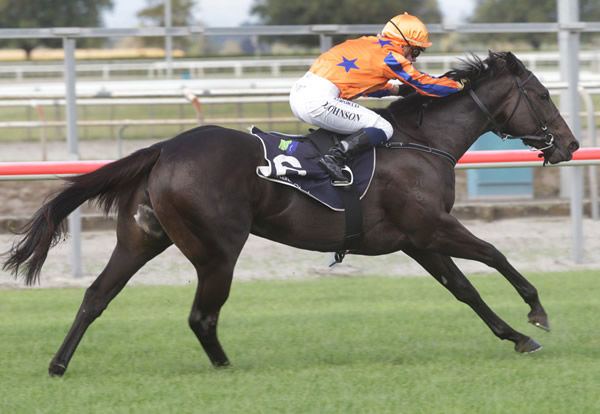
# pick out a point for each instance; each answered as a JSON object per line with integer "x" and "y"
{"x": 473, "y": 68}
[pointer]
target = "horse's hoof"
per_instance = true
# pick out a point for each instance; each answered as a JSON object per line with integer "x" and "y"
{"x": 541, "y": 324}
{"x": 540, "y": 320}
{"x": 527, "y": 346}
{"x": 56, "y": 370}
{"x": 221, "y": 364}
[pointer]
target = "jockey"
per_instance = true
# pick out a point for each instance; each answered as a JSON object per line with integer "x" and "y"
{"x": 362, "y": 67}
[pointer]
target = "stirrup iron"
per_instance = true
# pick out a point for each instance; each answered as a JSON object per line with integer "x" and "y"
{"x": 347, "y": 182}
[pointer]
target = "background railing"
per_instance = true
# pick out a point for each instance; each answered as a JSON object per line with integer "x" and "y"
{"x": 246, "y": 66}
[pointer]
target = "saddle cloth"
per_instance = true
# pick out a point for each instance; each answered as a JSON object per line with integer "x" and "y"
{"x": 292, "y": 160}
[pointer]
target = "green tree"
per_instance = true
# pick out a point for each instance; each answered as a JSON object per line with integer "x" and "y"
{"x": 519, "y": 11}
{"x": 341, "y": 12}
{"x": 50, "y": 13}
{"x": 154, "y": 15}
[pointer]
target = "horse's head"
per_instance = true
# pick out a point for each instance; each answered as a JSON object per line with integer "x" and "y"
{"x": 523, "y": 108}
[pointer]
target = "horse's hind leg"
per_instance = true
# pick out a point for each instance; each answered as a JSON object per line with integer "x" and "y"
{"x": 214, "y": 265}
{"x": 132, "y": 251}
{"x": 213, "y": 251}
{"x": 453, "y": 239}
{"x": 443, "y": 269}
{"x": 211, "y": 294}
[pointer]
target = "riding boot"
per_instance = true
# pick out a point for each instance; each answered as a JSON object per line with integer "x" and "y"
{"x": 338, "y": 155}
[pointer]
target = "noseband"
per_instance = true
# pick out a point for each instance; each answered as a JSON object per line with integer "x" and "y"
{"x": 547, "y": 138}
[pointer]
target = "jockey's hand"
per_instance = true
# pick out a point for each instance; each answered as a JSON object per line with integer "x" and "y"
{"x": 463, "y": 83}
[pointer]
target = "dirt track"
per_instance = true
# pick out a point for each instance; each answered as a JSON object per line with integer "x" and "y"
{"x": 532, "y": 245}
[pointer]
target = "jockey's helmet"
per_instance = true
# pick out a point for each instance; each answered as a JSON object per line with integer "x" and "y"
{"x": 412, "y": 28}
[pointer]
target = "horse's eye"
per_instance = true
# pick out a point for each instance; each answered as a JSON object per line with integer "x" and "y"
{"x": 545, "y": 96}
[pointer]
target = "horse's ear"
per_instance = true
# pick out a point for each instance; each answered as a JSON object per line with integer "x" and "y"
{"x": 492, "y": 54}
{"x": 494, "y": 57}
{"x": 514, "y": 64}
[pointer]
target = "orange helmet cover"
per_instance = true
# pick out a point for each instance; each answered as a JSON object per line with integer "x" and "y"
{"x": 412, "y": 28}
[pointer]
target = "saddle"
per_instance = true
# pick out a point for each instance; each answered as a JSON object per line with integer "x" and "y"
{"x": 292, "y": 160}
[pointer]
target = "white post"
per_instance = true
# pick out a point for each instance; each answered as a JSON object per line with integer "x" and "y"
{"x": 591, "y": 130}
{"x": 168, "y": 39}
{"x": 568, "y": 37}
{"x": 325, "y": 42}
{"x": 73, "y": 153}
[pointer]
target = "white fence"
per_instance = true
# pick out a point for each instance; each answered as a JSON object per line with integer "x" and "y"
{"x": 194, "y": 69}
{"x": 159, "y": 93}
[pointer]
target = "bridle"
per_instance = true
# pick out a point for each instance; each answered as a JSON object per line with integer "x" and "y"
{"x": 497, "y": 128}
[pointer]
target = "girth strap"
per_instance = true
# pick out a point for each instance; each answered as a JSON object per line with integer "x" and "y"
{"x": 353, "y": 211}
{"x": 322, "y": 141}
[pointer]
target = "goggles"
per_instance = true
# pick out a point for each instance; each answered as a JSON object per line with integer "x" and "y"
{"x": 415, "y": 51}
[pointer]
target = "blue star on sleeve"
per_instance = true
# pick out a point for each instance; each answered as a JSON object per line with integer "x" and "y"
{"x": 382, "y": 42}
{"x": 348, "y": 64}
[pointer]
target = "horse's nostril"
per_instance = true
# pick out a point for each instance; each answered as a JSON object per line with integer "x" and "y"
{"x": 573, "y": 146}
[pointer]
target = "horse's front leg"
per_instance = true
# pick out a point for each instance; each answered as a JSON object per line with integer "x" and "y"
{"x": 453, "y": 239}
{"x": 443, "y": 269}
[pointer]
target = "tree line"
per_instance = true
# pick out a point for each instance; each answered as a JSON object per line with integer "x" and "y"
{"x": 88, "y": 13}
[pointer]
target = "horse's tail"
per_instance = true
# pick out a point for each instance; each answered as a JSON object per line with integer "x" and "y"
{"x": 107, "y": 185}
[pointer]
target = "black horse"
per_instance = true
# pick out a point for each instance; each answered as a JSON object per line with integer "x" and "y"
{"x": 199, "y": 192}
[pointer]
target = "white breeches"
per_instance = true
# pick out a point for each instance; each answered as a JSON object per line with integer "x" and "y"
{"x": 316, "y": 101}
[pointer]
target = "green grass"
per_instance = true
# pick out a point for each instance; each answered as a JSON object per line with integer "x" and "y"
{"x": 333, "y": 345}
{"x": 143, "y": 112}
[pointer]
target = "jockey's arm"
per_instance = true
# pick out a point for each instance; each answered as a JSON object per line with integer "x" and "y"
{"x": 390, "y": 89}
{"x": 398, "y": 67}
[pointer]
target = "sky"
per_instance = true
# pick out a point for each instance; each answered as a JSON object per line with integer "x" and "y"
{"x": 234, "y": 12}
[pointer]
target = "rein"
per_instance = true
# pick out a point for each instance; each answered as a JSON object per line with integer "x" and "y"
{"x": 422, "y": 148}
{"x": 417, "y": 147}
{"x": 547, "y": 138}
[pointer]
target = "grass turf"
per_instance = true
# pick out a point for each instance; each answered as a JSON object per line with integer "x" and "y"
{"x": 333, "y": 345}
